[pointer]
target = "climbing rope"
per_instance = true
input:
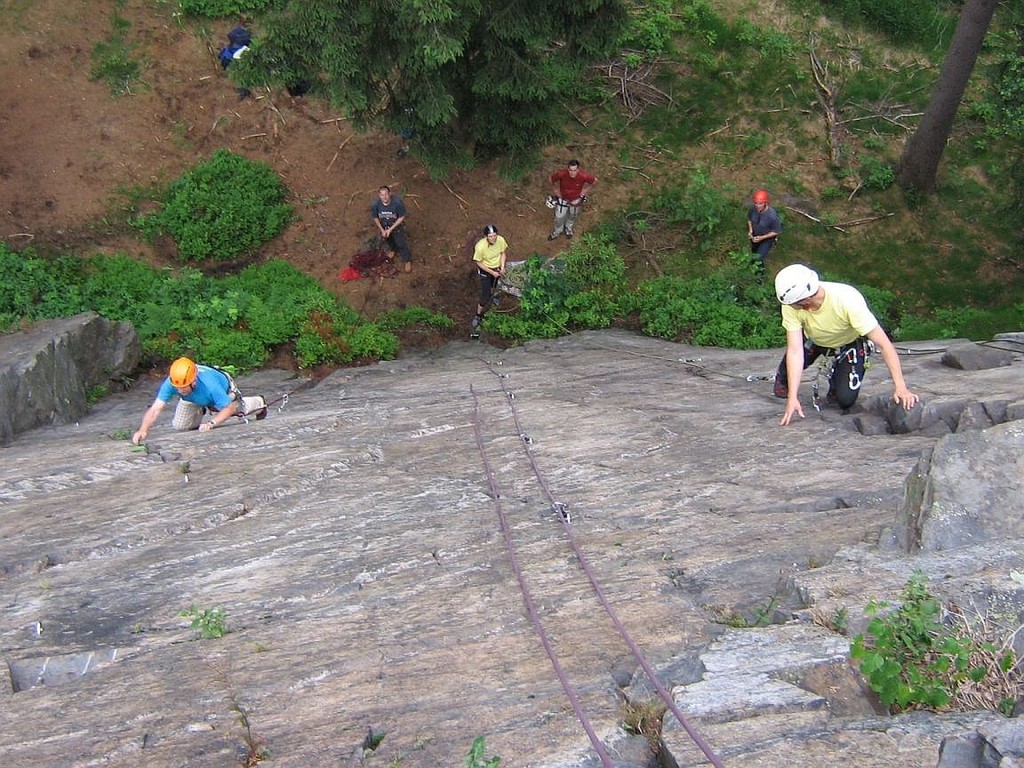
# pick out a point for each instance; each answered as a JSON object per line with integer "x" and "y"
{"x": 561, "y": 510}
{"x": 531, "y": 607}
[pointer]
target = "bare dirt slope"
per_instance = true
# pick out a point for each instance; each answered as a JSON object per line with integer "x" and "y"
{"x": 67, "y": 146}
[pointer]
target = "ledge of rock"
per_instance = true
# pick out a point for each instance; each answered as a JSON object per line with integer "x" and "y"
{"x": 50, "y": 368}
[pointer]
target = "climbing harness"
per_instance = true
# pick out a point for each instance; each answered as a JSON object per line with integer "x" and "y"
{"x": 282, "y": 399}
{"x": 561, "y": 510}
{"x": 827, "y": 366}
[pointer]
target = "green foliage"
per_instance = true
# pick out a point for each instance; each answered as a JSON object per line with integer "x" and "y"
{"x": 333, "y": 334}
{"x": 114, "y": 61}
{"x": 770, "y": 43}
{"x": 476, "y": 757}
{"x": 877, "y": 174}
{"x": 907, "y": 21}
{"x": 94, "y": 394}
{"x": 910, "y": 658}
{"x": 465, "y": 80}
{"x": 118, "y": 287}
{"x": 222, "y": 9}
{"x": 232, "y": 322}
{"x": 699, "y": 206}
{"x": 28, "y": 282}
{"x": 582, "y": 289}
{"x": 961, "y": 322}
{"x": 211, "y": 622}
{"x": 410, "y": 316}
{"x": 727, "y": 309}
{"x": 1005, "y": 99}
{"x": 221, "y": 209}
{"x": 652, "y": 26}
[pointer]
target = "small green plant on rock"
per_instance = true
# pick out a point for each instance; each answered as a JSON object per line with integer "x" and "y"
{"x": 911, "y": 658}
{"x": 255, "y": 751}
{"x": 211, "y": 622}
{"x": 476, "y": 759}
{"x": 644, "y": 719}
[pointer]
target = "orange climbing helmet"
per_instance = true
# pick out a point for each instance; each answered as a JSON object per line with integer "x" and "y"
{"x": 761, "y": 196}
{"x": 183, "y": 372}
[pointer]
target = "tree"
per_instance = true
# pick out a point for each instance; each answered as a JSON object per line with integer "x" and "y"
{"x": 920, "y": 161}
{"x": 469, "y": 78}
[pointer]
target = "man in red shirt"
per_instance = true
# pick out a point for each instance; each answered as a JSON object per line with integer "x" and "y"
{"x": 570, "y": 186}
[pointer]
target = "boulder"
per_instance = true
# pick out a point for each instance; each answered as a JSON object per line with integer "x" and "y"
{"x": 975, "y": 357}
{"x": 50, "y": 368}
{"x": 968, "y": 489}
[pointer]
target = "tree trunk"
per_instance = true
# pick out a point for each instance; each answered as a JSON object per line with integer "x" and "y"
{"x": 920, "y": 162}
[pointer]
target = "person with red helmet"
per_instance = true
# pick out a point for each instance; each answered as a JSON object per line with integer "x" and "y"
{"x": 763, "y": 227}
{"x": 201, "y": 389}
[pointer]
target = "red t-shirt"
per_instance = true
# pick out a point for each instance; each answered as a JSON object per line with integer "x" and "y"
{"x": 568, "y": 187}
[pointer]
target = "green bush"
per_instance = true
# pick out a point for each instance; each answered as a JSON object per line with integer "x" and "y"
{"x": 903, "y": 22}
{"x": 222, "y": 9}
{"x": 580, "y": 289}
{"x": 119, "y": 287}
{"x": 698, "y": 205}
{"x": 221, "y": 209}
{"x": 404, "y": 318}
{"x": 35, "y": 288}
{"x": 962, "y": 322}
{"x": 651, "y": 28}
{"x": 230, "y": 322}
{"x": 724, "y": 310}
{"x": 877, "y": 174}
{"x": 909, "y": 657}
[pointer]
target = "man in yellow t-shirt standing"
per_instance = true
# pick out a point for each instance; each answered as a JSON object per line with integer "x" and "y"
{"x": 829, "y": 318}
{"x": 489, "y": 256}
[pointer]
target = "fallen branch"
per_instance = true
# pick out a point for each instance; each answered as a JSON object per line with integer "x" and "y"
{"x": 827, "y": 99}
{"x": 633, "y": 168}
{"x": 456, "y": 196}
{"x": 865, "y": 220}
{"x": 340, "y": 147}
{"x": 839, "y": 225}
{"x": 253, "y": 136}
{"x": 577, "y": 118}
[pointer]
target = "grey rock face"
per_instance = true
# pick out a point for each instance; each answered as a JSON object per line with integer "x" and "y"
{"x": 975, "y": 357}
{"x": 49, "y": 369}
{"x": 354, "y": 542}
{"x": 967, "y": 490}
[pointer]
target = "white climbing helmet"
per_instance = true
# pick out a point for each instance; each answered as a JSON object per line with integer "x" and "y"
{"x": 550, "y": 201}
{"x": 795, "y": 283}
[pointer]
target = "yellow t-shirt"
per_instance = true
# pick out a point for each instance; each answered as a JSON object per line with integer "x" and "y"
{"x": 843, "y": 317}
{"x": 490, "y": 255}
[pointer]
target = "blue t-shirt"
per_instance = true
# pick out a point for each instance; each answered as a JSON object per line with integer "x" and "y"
{"x": 390, "y": 213}
{"x": 213, "y": 389}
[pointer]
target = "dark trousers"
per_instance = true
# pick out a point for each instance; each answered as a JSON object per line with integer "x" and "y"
{"x": 844, "y": 377}
{"x": 400, "y": 244}
{"x": 487, "y": 283}
{"x": 761, "y": 249}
